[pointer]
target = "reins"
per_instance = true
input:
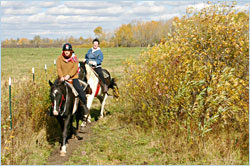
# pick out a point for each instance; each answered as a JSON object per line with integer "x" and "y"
{"x": 62, "y": 99}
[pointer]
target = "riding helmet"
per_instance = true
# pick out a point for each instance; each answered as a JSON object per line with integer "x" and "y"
{"x": 67, "y": 47}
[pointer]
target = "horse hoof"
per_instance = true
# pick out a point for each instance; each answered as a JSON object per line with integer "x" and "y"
{"x": 62, "y": 154}
{"x": 100, "y": 117}
{"x": 75, "y": 137}
{"x": 55, "y": 113}
{"x": 83, "y": 124}
{"x": 78, "y": 138}
{"x": 81, "y": 130}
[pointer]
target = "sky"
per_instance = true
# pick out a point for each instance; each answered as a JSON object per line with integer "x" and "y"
{"x": 60, "y": 19}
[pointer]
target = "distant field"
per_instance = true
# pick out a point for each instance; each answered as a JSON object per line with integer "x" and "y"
{"x": 18, "y": 62}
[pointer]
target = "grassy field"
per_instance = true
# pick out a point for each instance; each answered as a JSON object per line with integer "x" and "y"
{"x": 111, "y": 140}
{"x": 27, "y": 98}
{"x": 18, "y": 62}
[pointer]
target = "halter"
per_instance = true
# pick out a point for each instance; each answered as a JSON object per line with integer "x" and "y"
{"x": 62, "y": 99}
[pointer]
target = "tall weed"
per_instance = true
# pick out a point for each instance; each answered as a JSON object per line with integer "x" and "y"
{"x": 30, "y": 103}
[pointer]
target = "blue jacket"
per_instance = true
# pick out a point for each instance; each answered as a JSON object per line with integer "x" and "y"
{"x": 96, "y": 56}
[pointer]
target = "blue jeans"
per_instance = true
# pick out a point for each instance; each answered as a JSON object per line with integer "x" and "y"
{"x": 80, "y": 91}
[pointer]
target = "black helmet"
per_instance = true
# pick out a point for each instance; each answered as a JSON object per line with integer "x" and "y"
{"x": 67, "y": 47}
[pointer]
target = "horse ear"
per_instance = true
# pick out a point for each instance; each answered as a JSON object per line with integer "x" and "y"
{"x": 50, "y": 83}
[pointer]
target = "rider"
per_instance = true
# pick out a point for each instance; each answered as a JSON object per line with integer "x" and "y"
{"x": 94, "y": 58}
{"x": 67, "y": 70}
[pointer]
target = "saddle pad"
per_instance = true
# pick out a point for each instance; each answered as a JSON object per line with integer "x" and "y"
{"x": 73, "y": 89}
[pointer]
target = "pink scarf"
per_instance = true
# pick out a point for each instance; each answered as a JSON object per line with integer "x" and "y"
{"x": 73, "y": 58}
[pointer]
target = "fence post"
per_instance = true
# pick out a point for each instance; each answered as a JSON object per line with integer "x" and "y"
{"x": 45, "y": 68}
{"x": 10, "y": 103}
{"x": 33, "y": 72}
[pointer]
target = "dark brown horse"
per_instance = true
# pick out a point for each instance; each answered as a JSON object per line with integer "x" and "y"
{"x": 63, "y": 100}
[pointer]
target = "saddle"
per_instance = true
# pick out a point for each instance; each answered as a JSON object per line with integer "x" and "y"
{"x": 70, "y": 84}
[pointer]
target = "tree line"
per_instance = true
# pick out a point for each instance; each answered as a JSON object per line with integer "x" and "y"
{"x": 134, "y": 34}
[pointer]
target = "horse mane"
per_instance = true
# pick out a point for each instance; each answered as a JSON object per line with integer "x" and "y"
{"x": 89, "y": 72}
{"x": 58, "y": 82}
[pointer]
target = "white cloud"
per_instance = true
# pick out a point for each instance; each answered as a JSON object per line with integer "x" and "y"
{"x": 13, "y": 4}
{"x": 88, "y": 4}
{"x": 244, "y": 7}
{"x": 46, "y": 4}
{"x": 41, "y": 18}
{"x": 65, "y": 10}
{"x": 25, "y": 11}
{"x": 166, "y": 16}
{"x": 59, "y": 18}
{"x": 175, "y": 3}
{"x": 12, "y": 19}
{"x": 146, "y": 8}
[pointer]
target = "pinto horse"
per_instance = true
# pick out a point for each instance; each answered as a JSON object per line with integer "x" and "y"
{"x": 88, "y": 75}
{"x": 63, "y": 100}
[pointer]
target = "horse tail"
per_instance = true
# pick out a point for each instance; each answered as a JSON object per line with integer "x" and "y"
{"x": 114, "y": 87}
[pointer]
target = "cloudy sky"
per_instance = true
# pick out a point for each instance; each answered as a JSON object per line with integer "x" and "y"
{"x": 58, "y": 18}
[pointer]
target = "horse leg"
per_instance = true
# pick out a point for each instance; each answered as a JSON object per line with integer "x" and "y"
{"x": 60, "y": 120}
{"x": 90, "y": 99}
{"x": 103, "y": 103}
{"x": 72, "y": 129}
{"x": 64, "y": 134}
{"x": 89, "y": 103}
{"x": 78, "y": 117}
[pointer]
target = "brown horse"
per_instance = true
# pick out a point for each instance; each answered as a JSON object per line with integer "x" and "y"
{"x": 63, "y": 99}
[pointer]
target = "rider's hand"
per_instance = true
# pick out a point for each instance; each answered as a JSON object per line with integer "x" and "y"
{"x": 92, "y": 63}
{"x": 67, "y": 77}
{"x": 62, "y": 79}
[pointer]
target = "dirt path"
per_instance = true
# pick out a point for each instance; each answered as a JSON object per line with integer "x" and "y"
{"x": 56, "y": 159}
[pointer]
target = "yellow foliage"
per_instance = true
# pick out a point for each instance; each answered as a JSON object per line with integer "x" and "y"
{"x": 198, "y": 75}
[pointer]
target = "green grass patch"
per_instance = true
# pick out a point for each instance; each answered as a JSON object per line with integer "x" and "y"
{"x": 18, "y": 62}
{"x": 112, "y": 142}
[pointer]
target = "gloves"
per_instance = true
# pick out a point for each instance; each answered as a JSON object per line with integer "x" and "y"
{"x": 67, "y": 77}
{"x": 92, "y": 63}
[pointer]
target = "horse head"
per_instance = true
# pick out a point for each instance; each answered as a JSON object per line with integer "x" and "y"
{"x": 57, "y": 95}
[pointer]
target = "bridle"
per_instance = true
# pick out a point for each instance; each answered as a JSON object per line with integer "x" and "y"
{"x": 62, "y": 99}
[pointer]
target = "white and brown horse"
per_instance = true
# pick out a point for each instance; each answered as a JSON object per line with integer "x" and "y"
{"x": 88, "y": 75}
